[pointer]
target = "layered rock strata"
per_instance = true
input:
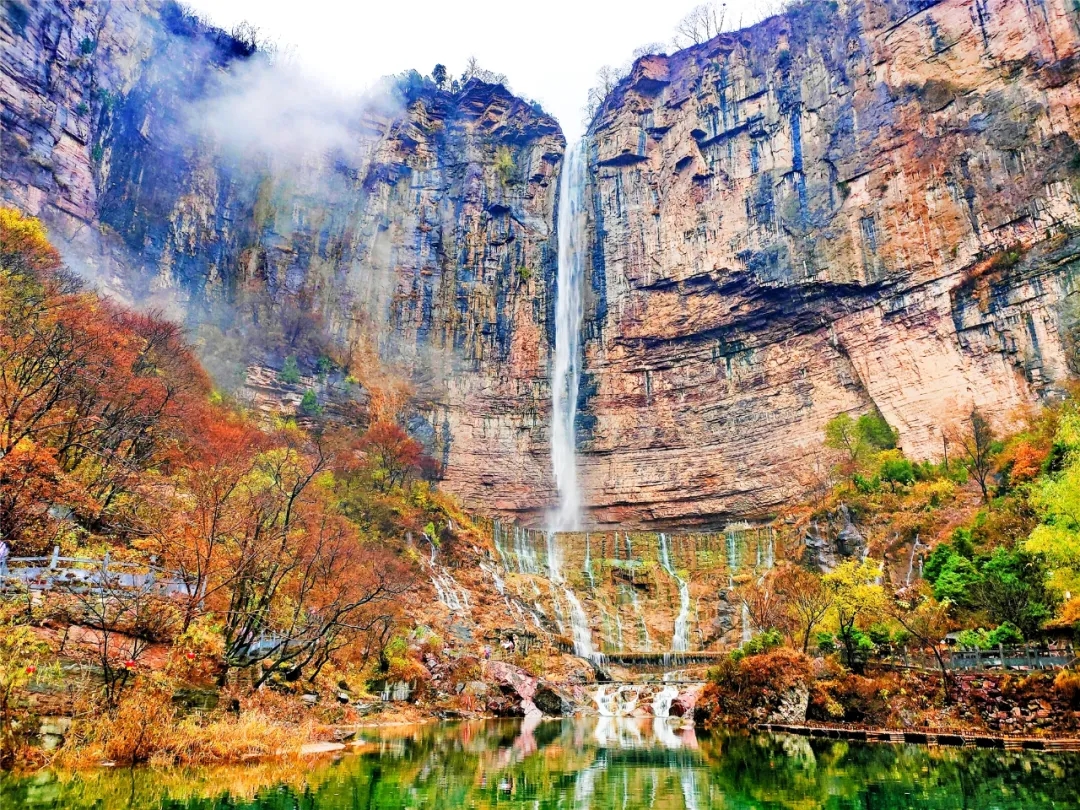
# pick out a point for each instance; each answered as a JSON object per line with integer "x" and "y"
{"x": 409, "y": 230}
{"x": 853, "y": 205}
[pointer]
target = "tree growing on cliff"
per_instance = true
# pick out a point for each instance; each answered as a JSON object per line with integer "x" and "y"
{"x": 859, "y": 439}
{"x": 439, "y": 76}
{"x": 701, "y": 24}
{"x": 975, "y": 436}
{"x": 473, "y": 70}
{"x": 607, "y": 78}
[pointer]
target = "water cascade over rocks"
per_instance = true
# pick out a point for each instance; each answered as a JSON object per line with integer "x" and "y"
{"x": 620, "y": 596}
{"x": 680, "y": 640}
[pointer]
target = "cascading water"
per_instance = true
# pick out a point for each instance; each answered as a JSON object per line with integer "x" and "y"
{"x": 662, "y": 702}
{"x": 680, "y": 641}
{"x": 566, "y": 368}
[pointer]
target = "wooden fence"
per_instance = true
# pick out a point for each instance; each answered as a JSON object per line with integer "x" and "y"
{"x": 1023, "y": 657}
{"x": 88, "y": 575}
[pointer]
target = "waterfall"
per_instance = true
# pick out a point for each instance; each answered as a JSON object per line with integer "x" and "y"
{"x": 566, "y": 368}
{"x": 579, "y": 626}
{"x": 447, "y": 589}
{"x": 636, "y": 603}
{"x": 579, "y": 622}
{"x": 662, "y": 702}
{"x": 680, "y": 641}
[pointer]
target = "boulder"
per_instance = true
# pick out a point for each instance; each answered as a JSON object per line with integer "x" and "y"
{"x": 683, "y": 704}
{"x": 517, "y": 689}
{"x": 553, "y": 701}
{"x": 791, "y": 709}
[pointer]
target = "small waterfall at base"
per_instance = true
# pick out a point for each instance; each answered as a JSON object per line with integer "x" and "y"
{"x": 579, "y": 621}
{"x": 680, "y": 641}
{"x": 566, "y": 367}
{"x": 662, "y": 702}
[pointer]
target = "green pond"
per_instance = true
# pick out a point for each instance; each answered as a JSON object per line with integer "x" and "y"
{"x": 600, "y": 763}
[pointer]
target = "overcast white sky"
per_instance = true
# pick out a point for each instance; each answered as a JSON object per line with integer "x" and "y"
{"x": 549, "y": 49}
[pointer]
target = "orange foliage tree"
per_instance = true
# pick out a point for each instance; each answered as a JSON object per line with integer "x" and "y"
{"x": 107, "y": 413}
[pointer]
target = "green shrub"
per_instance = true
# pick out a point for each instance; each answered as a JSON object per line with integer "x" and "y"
{"x": 762, "y": 642}
{"x": 826, "y": 642}
{"x": 867, "y": 486}
{"x": 504, "y": 165}
{"x": 958, "y": 576}
{"x": 880, "y": 634}
{"x": 897, "y": 471}
{"x": 324, "y": 365}
{"x": 1005, "y": 634}
{"x": 290, "y": 372}
{"x": 876, "y": 432}
{"x": 87, "y": 46}
{"x": 309, "y": 405}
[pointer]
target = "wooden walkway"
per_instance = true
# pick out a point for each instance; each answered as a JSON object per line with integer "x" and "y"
{"x": 1027, "y": 657}
{"x": 952, "y": 737}
{"x": 88, "y": 575}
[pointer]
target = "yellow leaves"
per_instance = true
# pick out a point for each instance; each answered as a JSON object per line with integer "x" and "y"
{"x": 856, "y": 589}
{"x": 24, "y": 244}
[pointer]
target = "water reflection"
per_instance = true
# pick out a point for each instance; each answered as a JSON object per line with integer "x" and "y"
{"x": 600, "y": 764}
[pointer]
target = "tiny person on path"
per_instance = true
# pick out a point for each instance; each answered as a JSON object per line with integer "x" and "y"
{"x": 4, "y": 552}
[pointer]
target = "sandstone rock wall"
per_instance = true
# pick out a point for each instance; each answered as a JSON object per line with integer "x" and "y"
{"x": 861, "y": 204}
{"x": 853, "y": 205}
{"x": 421, "y": 241}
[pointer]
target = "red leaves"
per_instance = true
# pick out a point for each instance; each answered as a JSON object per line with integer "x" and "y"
{"x": 92, "y": 396}
{"x": 391, "y": 455}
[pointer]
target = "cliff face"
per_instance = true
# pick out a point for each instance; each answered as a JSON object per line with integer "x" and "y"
{"x": 855, "y": 205}
{"x": 417, "y": 230}
{"x": 870, "y": 204}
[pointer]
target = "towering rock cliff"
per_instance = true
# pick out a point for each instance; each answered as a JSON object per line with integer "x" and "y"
{"x": 849, "y": 206}
{"x": 415, "y": 227}
{"x": 855, "y": 205}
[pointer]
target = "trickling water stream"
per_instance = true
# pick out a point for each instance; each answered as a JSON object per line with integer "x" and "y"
{"x": 680, "y": 641}
{"x": 566, "y": 368}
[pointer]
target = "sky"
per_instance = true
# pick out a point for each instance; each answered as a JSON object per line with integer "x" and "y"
{"x": 549, "y": 50}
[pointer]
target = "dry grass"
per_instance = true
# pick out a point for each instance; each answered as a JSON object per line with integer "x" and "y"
{"x": 145, "y": 728}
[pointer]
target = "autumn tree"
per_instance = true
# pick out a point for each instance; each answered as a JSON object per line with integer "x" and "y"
{"x": 764, "y": 604}
{"x": 975, "y": 436}
{"x": 91, "y": 394}
{"x": 127, "y": 614}
{"x": 927, "y": 620}
{"x": 22, "y": 654}
{"x": 857, "y": 600}
{"x": 806, "y": 599}
{"x": 391, "y": 454}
